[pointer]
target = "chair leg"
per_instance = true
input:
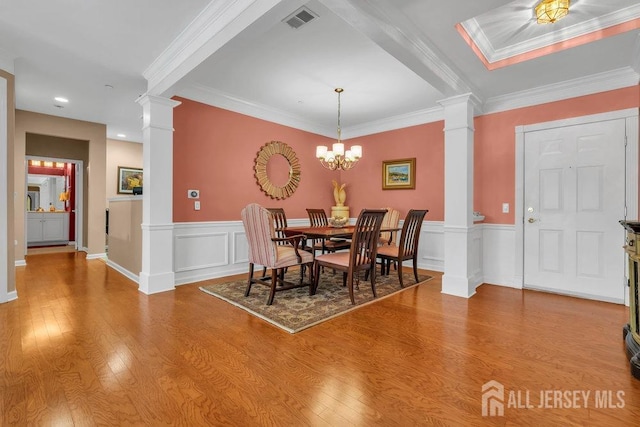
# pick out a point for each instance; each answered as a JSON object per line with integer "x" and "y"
{"x": 274, "y": 281}
{"x": 315, "y": 276}
{"x": 350, "y": 280}
{"x": 311, "y": 284}
{"x": 400, "y": 275}
{"x": 415, "y": 269}
{"x": 373, "y": 279}
{"x": 250, "y": 281}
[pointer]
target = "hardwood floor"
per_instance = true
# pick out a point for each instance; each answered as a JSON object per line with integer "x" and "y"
{"x": 81, "y": 346}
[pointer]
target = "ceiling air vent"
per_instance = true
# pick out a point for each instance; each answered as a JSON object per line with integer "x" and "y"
{"x": 300, "y": 17}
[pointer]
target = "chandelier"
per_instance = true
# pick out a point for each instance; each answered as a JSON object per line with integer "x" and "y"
{"x": 337, "y": 158}
{"x": 550, "y": 11}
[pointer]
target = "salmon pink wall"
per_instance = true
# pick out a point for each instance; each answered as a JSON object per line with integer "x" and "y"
{"x": 364, "y": 181}
{"x": 214, "y": 151}
{"x": 494, "y": 149}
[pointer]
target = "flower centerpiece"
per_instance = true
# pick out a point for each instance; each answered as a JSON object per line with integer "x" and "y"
{"x": 338, "y": 221}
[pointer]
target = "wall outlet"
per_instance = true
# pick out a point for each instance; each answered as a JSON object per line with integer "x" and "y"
{"x": 196, "y": 205}
{"x": 193, "y": 194}
{"x": 505, "y": 208}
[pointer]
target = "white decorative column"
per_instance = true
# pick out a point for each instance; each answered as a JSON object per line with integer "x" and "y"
{"x": 458, "y": 196}
{"x": 5, "y": 262}
{"x": 157, "y": 273}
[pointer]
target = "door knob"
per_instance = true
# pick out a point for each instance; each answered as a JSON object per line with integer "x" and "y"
{"x": 531, "y": 220}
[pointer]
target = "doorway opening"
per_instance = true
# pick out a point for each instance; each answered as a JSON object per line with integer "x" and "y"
{"x": 53, "y": 211}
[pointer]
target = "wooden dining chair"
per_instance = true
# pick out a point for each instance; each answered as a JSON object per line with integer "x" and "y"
{"x": 390, "y": 221}
{"x": 265, "y": 250}
{"x": 407, "y": 247}
{"x": 279, "y": 223}
{"x": 361, "y": 256}
{"x": 318, "y": 218}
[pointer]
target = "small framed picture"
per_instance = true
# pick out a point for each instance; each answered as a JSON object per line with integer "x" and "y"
{"x": 399, "y": 174}
{"x": 128, "y": 178}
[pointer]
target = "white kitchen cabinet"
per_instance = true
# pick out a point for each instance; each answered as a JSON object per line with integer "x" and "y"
{"x": 47, "y": 227}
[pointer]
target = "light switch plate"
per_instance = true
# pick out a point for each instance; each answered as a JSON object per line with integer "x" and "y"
{"x": 196, "y": 205}
{"x": 505, "y": 208}
{"x": 193, "y": 194}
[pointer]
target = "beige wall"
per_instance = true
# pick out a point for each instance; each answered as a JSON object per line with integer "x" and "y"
{"x": 120, "y": 153}
{"x": 9, "y": 203}
{"x": 41, "y": 124}
{"x": 125, "y": 234}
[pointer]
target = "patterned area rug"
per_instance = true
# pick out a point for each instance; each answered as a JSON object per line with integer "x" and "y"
{"x": 294, "y": 310}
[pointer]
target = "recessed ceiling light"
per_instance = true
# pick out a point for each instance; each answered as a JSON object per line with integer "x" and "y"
{"x": 121, "y": 135}
{"x": 61, "y": 99}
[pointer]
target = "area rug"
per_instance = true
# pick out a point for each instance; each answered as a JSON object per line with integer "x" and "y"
{"x": 294, "y": 310}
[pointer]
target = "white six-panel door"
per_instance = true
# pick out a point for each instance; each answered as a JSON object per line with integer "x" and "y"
{"x": 574, "y": 196}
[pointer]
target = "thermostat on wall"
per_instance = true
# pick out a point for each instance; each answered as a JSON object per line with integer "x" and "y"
{"x": 193, "y": 194}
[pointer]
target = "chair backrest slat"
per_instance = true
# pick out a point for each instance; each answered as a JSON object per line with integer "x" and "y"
{"x": 390, "y": 220}
{"x": 411, "y": 232}
{"x": 364, "y": 242}
{"x": 317, "y": 217}
{"x": 279, "y": 222}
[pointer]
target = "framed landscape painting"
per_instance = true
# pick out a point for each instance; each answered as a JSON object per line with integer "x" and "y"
{"x": 399, "y": 174}
{"x": 128, "y": 178}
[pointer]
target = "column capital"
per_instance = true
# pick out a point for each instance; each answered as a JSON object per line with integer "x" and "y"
{"x": 459, "y": 99}
{"x": 146, "y": 99}
{"x": 459, "y": 111}
{"x": 157, "y": 111}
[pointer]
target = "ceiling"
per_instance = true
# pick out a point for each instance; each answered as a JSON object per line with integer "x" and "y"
{"x": 395, "y": 59}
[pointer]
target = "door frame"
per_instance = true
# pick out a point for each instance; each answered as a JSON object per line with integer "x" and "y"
{"x": 78, "y": 168}
{"x": 4, "y": 195}
{"x": 630, "y": 116}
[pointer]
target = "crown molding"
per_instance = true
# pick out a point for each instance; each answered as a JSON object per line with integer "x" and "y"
{"x": 414, "y": 118}
{"x": 216, "y": 98}
{"x": 601, "y": 82}
{"x": 491, "y": 54}
{"x": 219, "y": 22}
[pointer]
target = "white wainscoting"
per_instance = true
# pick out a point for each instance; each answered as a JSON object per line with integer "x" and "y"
{"x": 498, "y": 249}
{"x": 209, "y": 250}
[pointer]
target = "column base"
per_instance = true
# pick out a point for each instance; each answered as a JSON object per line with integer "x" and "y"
{"x": 155, "y": 283}
{"x": 458, "y": 286}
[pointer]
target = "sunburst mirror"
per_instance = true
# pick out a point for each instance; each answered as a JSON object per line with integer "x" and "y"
{"x": 277, "y": 170}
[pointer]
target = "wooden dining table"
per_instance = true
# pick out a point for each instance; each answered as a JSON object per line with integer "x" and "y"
{"x": 327, "y": 232}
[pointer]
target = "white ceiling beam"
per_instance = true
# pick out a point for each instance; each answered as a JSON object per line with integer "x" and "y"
{"x": 386, "y": 26}
{"x": 218, "y": 23}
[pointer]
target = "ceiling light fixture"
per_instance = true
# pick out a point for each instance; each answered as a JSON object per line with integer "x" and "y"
{"x": 337, "y": 158}
{"x": 550, "y": 11}
{"x": 61, "y": 99}
{"x": 121, "y": 135}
